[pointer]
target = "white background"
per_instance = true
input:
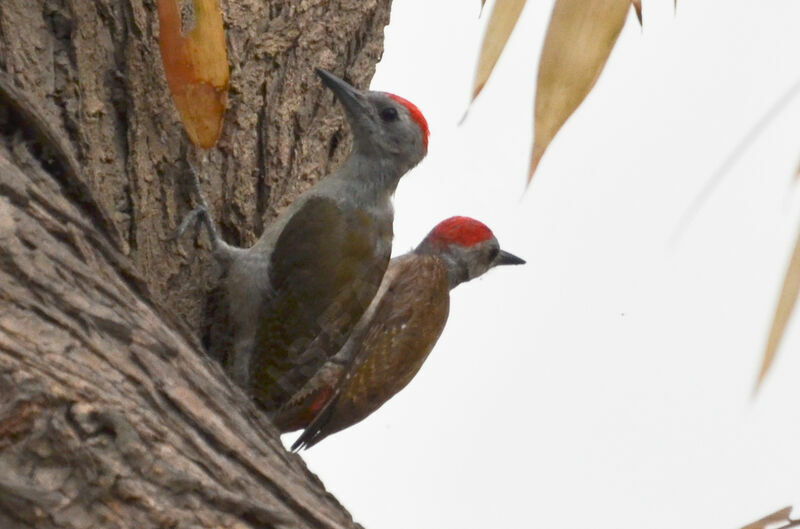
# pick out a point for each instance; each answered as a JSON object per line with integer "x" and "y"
{"x": 607, "y": 383}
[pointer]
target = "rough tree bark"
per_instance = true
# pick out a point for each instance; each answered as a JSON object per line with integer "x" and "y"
{"x": 110, "y": 416}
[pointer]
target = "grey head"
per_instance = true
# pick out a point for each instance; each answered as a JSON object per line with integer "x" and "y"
{"x": 468, "y": 248}
{"x": 386, "y": 127}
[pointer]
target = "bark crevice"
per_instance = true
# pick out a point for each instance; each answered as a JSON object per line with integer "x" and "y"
{"x": 110, "y": 415}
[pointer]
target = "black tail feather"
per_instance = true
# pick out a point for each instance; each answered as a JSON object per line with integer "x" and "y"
{"x": 314, "y": 432}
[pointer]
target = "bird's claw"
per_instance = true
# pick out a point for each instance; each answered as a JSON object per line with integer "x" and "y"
{"x": 198, "y": 214}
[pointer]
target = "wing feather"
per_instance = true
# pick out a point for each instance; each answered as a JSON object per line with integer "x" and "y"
{"x": 389, "y": 345}
{"x": 324, "y": 270}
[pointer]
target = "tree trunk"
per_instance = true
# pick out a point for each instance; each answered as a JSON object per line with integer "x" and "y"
{"x": 110, "y": 414}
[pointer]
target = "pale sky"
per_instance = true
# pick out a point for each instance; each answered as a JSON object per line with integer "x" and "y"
{"x": 607, "y": 383}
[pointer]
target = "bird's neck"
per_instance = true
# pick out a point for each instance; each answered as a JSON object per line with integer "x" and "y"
{"x": 457, "y": 271}
{"x": 373, "y": 177}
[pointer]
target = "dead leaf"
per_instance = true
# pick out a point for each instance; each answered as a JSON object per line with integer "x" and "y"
{"x": 578, "y": 42}
{"x": 776, "y": 517}
{"x": 637, "y": 6}
{"x": 786, "y": 302}
{"x": 501, "y": 23}
{"x": 735, "y": 154}
{"x": 196, "y": 65}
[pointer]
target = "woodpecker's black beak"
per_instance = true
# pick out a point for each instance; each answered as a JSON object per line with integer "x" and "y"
{"x": 505, "y": 258}
{"x": 351, "y": 98}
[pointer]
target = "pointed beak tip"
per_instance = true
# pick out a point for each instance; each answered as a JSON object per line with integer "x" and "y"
{"x": 350, "y": 97}
{"x": 328, "y": 79}
{"x": 322, "y": 73}
{"x": 506, "y": 258}
{"x": 339, "y": 86}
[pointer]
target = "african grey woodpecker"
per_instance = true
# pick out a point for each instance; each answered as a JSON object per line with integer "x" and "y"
{"x": 395, "y": 334}
{"x": 286, "y": 304}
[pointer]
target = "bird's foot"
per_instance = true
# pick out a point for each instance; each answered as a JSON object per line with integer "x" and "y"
{"x": 201, "y": 214}
{"x": 198, "y": 214}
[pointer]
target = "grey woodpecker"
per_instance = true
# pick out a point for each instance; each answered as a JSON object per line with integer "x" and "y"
{"x": 286, "y": 304}
{"x": 395, "y": 334}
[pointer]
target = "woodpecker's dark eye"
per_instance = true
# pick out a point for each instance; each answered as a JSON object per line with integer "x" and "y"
{"x": 493, "y": 253}
{"x": 389, "y": 114}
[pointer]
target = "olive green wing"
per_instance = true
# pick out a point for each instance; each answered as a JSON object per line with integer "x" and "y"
{"x": 324, "y": 270}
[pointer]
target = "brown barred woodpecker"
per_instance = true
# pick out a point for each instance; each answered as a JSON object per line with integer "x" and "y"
{"x": 396, "y": 333}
